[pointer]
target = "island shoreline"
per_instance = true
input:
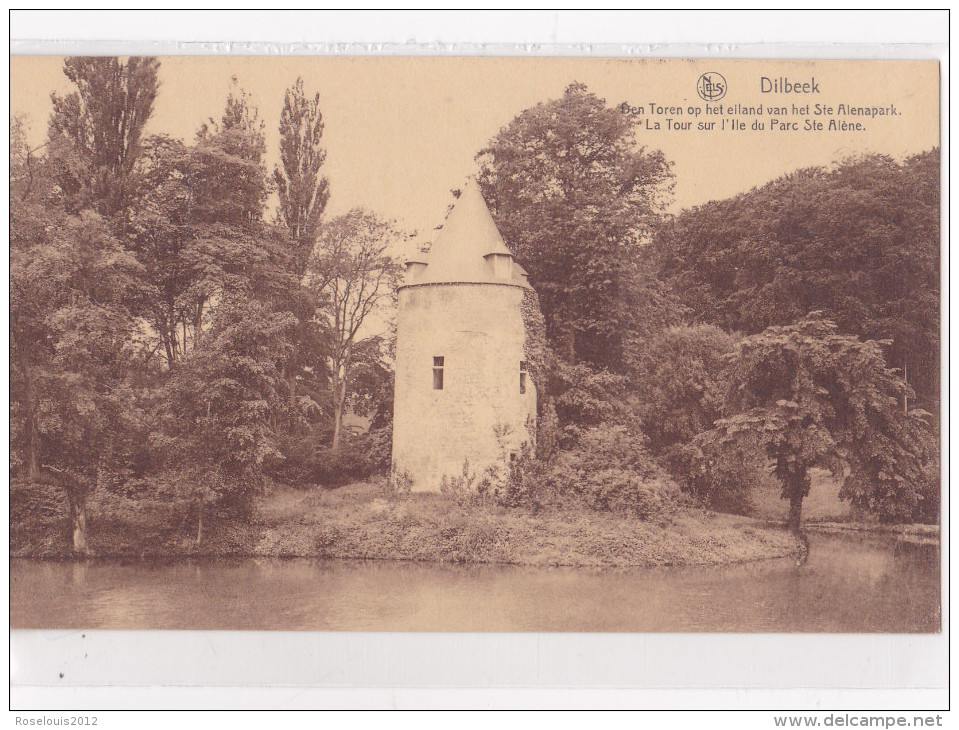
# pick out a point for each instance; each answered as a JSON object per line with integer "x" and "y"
{"x": 358, "y": 523}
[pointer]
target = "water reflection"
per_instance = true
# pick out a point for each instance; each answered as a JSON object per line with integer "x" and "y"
{"x": 848, "y": 584}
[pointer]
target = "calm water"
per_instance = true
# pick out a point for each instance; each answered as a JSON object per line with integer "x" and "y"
{"x": 849, "y": 584}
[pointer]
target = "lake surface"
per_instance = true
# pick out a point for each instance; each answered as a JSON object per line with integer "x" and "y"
{"x": 850, "y": 583}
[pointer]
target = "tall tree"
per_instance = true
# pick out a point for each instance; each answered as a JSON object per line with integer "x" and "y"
{"x": 98, "y": 129}
{"x": 238, "y": 142}
{"x": 71, "y": 332}
{"x": 303, "y": 192}
{"x": 806, "y": 396}
{"x": 353, "y": 269}
{"x": 225, "y": 279}
{"x": 31, "y": 217}
{"x": 575, "y": 198}
{"x": 217, "y": 429}
{"x": 198, "y": 226}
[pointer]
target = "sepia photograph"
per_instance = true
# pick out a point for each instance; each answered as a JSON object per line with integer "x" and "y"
{"x": 475, "y": 344}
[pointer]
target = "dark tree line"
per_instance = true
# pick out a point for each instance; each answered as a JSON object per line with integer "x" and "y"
{"x": 859, "y": 242}
{"x": 166, "y": 339}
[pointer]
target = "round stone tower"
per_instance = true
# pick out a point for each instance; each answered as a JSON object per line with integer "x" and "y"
{"x": 463, "y": 393}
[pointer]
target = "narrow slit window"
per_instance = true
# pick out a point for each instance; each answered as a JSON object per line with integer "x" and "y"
{"x": 523, "y": 370}
{"x": 437, "y": 373}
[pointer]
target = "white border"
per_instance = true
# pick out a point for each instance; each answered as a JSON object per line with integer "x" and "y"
{"x": 357, "y": 668}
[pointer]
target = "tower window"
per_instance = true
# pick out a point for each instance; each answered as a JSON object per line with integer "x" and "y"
{"x": 438, "y": 373}
{"x": 522, "y": 376}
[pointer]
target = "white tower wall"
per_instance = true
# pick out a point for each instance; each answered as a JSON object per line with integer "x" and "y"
{"x": 477, "y": 328}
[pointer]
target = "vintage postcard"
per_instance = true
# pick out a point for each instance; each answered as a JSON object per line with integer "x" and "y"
{"x": 527, "y": 344}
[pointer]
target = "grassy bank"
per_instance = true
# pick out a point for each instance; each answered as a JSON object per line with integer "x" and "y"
{"x": 358, "y": 522}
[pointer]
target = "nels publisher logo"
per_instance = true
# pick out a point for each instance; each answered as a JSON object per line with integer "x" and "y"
{"x": 711, "y": 86}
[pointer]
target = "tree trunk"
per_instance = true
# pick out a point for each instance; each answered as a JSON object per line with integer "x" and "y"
{"x": 293, "y": 409}
{"x": 170, "y": 358}
{"x": 339, "y": 397}
{"x": 199, "y": 524}
{"x": 905, "y": 378}
{"x": 29, "y": 418}
{"x": 796, "y": 488}
{"x": 795, "y": 512}
{"x": 78, "y": 512}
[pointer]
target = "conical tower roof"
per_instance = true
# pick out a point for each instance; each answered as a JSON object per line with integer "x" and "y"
{"x": 468, "y": 236}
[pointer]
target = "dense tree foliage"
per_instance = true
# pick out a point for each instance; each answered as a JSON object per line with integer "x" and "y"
{"x": 859, "y": 242}
{"x": 73, "y": 339}
{"x": 575, "y": 198}
{"x": 219, "y": 429}
{"x": 164, "y": 341}
{"x": 679, "y": 382}
{"x": 198, "y": 229}
{"x": 353, "y": 269}
{"x": 97, "y": 130}
{"x": 302, "y": 190}
{"x": 804, "y": 395}
{"x": 303, "y": 194}
{"x": 227, "y": 402}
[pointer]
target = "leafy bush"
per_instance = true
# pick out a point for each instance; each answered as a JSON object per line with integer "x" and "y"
{"x": 376, "y": 446}
{"x": 608, "y": 469}
{"x": 308, "y": 460}
{"x": 723, "y": 481}
{"x": 527, "y": 483}
{"x": 399, "y": 485}
{"x": 334, "y": 469}
{"x": 624, "y": 491}
{"x": 299, "y": 454}
{"x": 605, "y": 447}
{"x": 465, "y": 488}
{"x": 611, "y": 470}
{"x": 678, "y": 382}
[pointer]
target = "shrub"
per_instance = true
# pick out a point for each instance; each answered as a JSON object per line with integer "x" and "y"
{"x": 678, "y": 382}
{"x": 399, "y": 485}
{"x": 604, "y": 447}
{"x": 527, "y": 483}
{"x": 624, "y": 491}
{"x": 309, "y": 460}
{"x": 722, "y": 481}
{"x": 334, "y": 469}
{"x": 299, "y": 455}
{"x": 611, "y": 470}
{"x": 376, "y": 446}
{"x": 464, "y": 489}
{"x": 607, "y": 469}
